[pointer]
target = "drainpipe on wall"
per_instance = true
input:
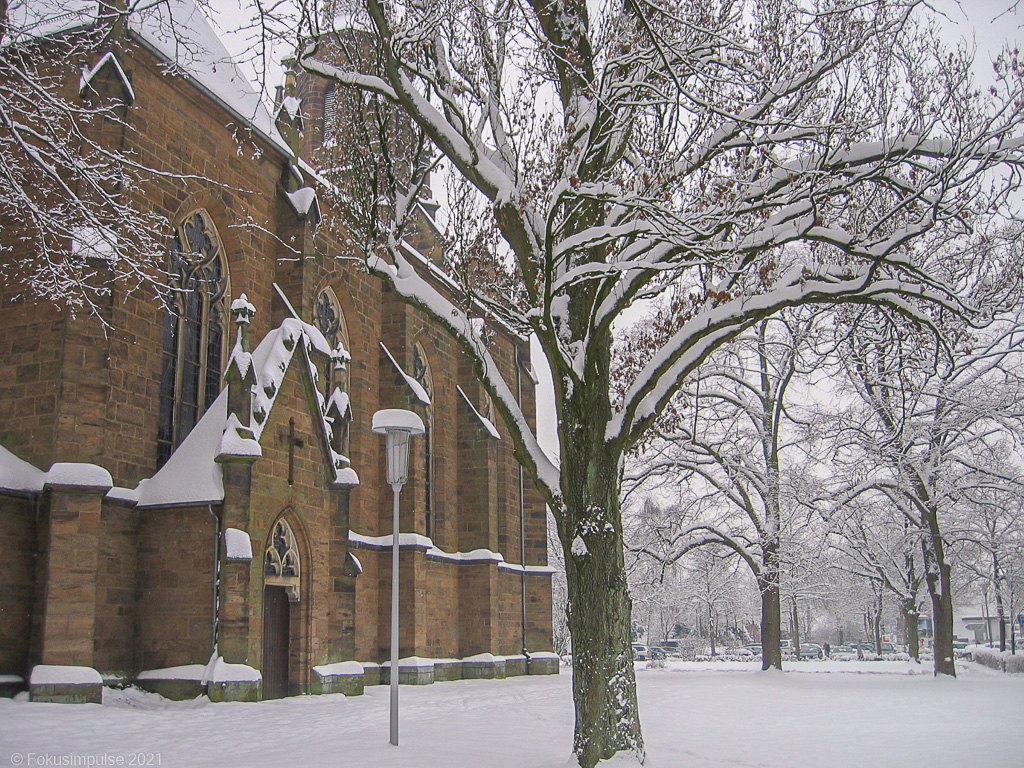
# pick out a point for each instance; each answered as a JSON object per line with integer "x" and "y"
{"x": 522, "y": 508}
{"x": 216, "y": 579}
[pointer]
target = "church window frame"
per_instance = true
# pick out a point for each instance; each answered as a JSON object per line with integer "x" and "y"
{"x": 330, "y": 321}
{"x": 195, "y": 333}
{"x": 282, "y": 566}
{"x": 421, "y": 373}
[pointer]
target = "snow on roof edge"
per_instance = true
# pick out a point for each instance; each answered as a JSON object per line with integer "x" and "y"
{"x": 18, "y": 475}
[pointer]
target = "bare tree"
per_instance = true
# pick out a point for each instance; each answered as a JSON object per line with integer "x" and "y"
{"x": 69, "y": 199}
{"x": 721, "y": 160}
{"x": 922, "y": 421}
{"x": 732, "y": 452}
{"x": 884, "y": 548}
{"x": 990, "y": 528}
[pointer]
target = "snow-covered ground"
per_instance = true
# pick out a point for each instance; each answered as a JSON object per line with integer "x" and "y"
{"x": 834, "y": 714}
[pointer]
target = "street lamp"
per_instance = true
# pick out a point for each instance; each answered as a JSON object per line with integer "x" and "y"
{"x": 398, "y": 426}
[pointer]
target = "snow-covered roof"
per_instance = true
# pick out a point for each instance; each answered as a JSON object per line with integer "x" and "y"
{"x": 18, "y": 475}
{"x": 177, "y": 32}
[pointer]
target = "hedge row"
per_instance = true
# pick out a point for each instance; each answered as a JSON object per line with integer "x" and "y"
{"x": 1003, "y": 661}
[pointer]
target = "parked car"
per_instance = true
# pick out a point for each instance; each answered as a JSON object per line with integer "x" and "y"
{"x": 671, "y": 647}
{"x": 843, "y": 653}
{"x": 811, "y": 651}
{"x": 656, "y": 653}
{"x": 641, "y": 652}
{"x": 744, "y": 652}
{"x": 754, "y": 649}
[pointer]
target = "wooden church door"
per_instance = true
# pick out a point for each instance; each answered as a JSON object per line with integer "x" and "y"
{"x": 276, "y": 635}
{"x": 281, "y": 588}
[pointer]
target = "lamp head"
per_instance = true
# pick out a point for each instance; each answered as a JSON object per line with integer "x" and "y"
{"x": 398, "y": 425}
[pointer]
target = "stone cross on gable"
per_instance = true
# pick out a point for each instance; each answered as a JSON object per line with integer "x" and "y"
{"x": 293, "y": 442}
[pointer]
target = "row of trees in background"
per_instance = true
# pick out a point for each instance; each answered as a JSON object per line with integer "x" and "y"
{"x": 847, "y": 458}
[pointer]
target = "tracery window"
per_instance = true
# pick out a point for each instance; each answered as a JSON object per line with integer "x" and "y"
{"x": 281, "y": 565}
{"x": 421, "y": 372}
{"x": 330, "y": 320}
{"x": 195, "y": 331}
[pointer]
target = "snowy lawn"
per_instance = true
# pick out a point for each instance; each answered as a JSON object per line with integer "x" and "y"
{"x": 834, "y": 714}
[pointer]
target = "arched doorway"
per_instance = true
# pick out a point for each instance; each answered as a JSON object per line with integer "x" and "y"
{"x": 281, "y": 572}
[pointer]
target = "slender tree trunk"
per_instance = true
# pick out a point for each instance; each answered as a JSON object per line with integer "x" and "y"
{"x": 1000, "y": 611}
{"x": 796, "y": 632}
{"x": 711, "y": 629}
{"x": 876, "y": 627}
{"x": 908, "y": 609}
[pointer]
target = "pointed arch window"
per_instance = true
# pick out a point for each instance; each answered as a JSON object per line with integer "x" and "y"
{"x": 281, "y": 566}
{"x": 330, "y": 320}
{"x": 195, "y": 331}
{"x": 421, "y": 372}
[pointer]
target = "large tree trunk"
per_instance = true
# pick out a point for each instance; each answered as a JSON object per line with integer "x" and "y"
{"x": 771, "y": 623}
{"x": 600, "y": 608}
{"x": 939, "y": 581}
{"x": 908, "y": 610}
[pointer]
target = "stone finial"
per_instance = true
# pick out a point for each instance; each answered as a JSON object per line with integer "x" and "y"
{"x": 340, "y": 357}
{"x": 243, "y": 310}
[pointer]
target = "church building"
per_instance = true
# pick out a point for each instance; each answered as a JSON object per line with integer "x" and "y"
{"x": 191, "y": 495}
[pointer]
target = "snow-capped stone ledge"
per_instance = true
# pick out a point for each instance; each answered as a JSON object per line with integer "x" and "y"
{"x": 186, "y": 672}
{"x": 56, "y": 674}
{"x": 543, "y": 663}
{"x": 446, "y": 670}
{"x": 412, "y": 670}
{"x": 484, "y": 666}
{"x": 232, "y": 682}
{"x": 344, "y": 677}
{"x": 61, "y": 684}
{"x": 237, "y": 544}
{"x": 175, "y": 683}
{"x": 237, "y": 442}
{"x": 75, "y": 474}
{"x": 346, "y": 478}
{"x": 384, "y": 542}
{"x": 528, "y": 569}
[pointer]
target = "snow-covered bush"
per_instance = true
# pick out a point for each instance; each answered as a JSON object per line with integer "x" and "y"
{"x": 1004, "y": 661}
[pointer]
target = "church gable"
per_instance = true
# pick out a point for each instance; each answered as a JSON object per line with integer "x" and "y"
{"x": 193, "y": 473}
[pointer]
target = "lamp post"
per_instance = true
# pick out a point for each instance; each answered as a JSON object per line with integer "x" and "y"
{"x": 398, "y": 426}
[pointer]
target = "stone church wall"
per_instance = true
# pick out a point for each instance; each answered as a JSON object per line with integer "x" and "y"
{"x": 18, "y": 564}
{"x": 175, "y": 587}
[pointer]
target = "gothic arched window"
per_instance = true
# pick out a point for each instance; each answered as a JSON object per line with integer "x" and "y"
{"x": 195, "y": 330}
{"x": 281, "y": 565}
{"x": 421, "y": 372}
{"x": 330, "y": 320}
